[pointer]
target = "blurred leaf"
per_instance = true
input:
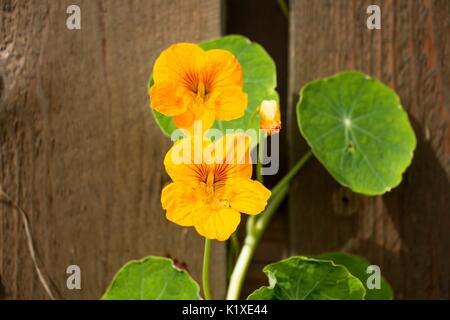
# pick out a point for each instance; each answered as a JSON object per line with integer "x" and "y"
{"x": 358, "y": 130}
{"x": 358, "y": 267}
{"x": 302, "y": 278}
{"x": 152, "y": 278}
{"x": 259, "y": 74}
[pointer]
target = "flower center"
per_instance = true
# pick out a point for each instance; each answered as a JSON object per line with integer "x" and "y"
{"x": 201, "y": 90}
{"x": 199, "y": 100}
{"x": 210, "y": 182}
{"x": 214, "y": 197}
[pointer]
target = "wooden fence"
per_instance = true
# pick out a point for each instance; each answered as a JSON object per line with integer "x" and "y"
{"x": 405, "y": 232}
{"x": 79, "y": 148}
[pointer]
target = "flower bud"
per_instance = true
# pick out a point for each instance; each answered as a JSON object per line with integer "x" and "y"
{"x": 269, "y": 115}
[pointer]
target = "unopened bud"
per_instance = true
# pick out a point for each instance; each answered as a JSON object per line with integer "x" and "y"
{"x": 270, "y": 119}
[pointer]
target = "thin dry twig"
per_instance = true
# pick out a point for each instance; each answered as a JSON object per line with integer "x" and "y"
{"x": 4, "y": 198}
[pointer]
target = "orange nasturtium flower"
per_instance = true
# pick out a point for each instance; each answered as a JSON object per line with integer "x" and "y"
{"x": 191, "y": 84}
{"x": 210, "y": 194}
{"x": 269, "y": 115}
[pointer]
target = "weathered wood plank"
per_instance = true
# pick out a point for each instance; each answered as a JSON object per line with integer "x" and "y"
{"x": 78, "y": 147}
{"x": 405, "y": 231}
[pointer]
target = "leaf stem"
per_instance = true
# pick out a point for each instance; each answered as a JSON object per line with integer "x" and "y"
{"x": 257, "y": 229}
{"x": 284, "y": 7}
{"x": 251, "y": 220}
{"x": 205, "y": 275}
{"x": 235, "y": 246}
{"x": 261, "y": 143}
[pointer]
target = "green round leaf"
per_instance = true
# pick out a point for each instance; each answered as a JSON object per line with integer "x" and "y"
{"x": 358, "y": 267}
{"x": 259, "y": 75}
{"x": 302, "y": 278}
{"x": 152, "y": 278}
{"x": 358, "y": 130}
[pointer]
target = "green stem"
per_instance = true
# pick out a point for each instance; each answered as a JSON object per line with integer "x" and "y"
{"x": 248, "y": 249}
{"x": 205, "y": 277}
{"x": 235, "y": 246}
{"x": 291, "y": 174}
{"x": 284, "y": 7}
{"x": 262, "y": 140}
{"x": 259, "y": 176}
{"x": 255, "y": 232}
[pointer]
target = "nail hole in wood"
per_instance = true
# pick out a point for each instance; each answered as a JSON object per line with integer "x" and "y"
{"x": 345, "y": 202}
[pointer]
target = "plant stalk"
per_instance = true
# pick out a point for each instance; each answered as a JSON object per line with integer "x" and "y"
{"x": 256, "y": 230}
{"x": 261, "y": 143}
{"x": 284, "y": 7}
{"x": 205, "y": 275}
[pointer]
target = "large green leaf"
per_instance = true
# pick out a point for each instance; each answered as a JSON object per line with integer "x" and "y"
{"x": 358, "y": 267}
{"x": 358, "y": 130}
{"x": 152, "y": 278}
{"x": 259, "y": 74}
{"x": 302, "y": 278}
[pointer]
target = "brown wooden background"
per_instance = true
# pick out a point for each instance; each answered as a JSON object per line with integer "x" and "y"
{"x": 405, "y": 232}
{"x": 79, "y": 148}
{"x": 80, "y": 152}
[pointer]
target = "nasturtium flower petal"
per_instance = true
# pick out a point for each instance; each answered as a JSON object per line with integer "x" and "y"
{"x": 228, "y": 103}
{"x": 212, "y": 184}
{"x": 183, "y": 161}
{"x": 205, "y": 118}
{"x": 247, "y": 196}
{"x": 217, "y": 223}
{"x": 190, "y": 84}
{"x": 180, "y": 200}
{"x": 180, "y": 64}
{"x": 184, "y": 120}
{"x": 170, "y": 99}
{"x": 222, "y": 69}
{"x": 232, "y": 151}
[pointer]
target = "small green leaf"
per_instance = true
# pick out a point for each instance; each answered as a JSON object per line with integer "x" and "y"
{"x": 302, "y": 278}
{"x": 358, "y": 267}
{"x": 259, "y": 75}
{"x": 358, "y": 130}
{"x": 152, "y": 278}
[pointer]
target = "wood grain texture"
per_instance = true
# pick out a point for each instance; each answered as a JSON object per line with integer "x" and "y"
{"x": 406, "y": 230}
{"x": 79, "y": 149}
